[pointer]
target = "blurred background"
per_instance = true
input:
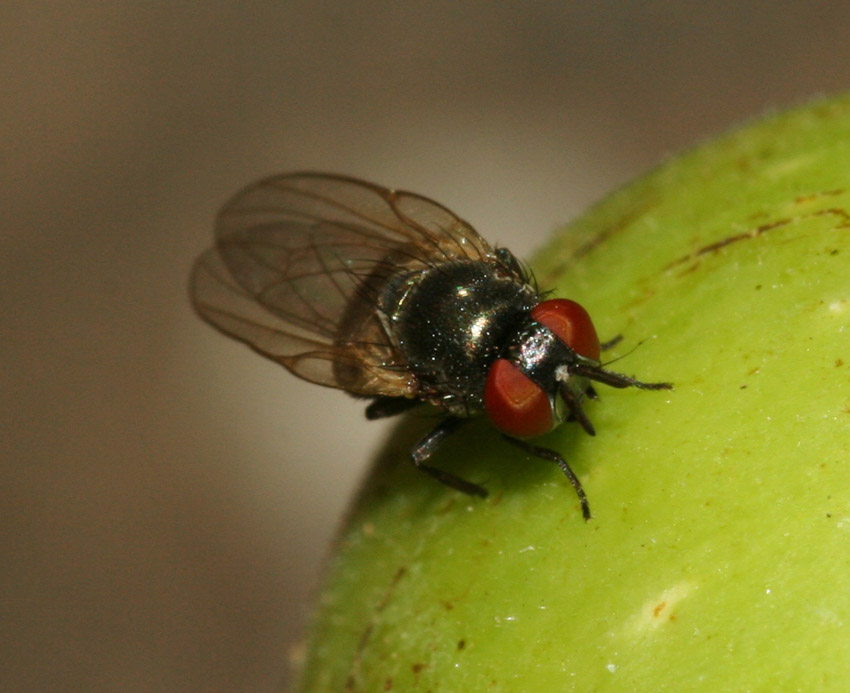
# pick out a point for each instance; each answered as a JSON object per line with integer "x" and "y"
{"x": 167, "y": 496}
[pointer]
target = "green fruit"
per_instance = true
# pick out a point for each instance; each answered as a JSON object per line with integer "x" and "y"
{"x": 718, "y": 557}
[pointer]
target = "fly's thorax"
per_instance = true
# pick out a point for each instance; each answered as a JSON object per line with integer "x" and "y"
{"x": 451, "y": 321}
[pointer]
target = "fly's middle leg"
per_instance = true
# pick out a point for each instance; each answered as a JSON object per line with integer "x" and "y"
{"x": 429, "y": 444}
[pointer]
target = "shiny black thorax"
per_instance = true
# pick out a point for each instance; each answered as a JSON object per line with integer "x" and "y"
{"x": 452, "y": 320}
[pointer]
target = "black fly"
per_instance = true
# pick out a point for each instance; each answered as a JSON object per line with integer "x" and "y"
{"x": 388, "y": 295}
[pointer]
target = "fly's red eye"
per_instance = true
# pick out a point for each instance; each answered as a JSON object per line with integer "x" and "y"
{"x": 569, "y": 321}
{"x": 515, "y": 404}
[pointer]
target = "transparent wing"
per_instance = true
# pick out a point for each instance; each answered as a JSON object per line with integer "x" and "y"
{"x": 299, "y": 262}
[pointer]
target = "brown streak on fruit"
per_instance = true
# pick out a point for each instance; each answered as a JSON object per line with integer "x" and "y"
{"x": 351, "y": 681}
{"x": 595, "y": 241}
{"x": 814, "y": 196}
{"x": 841, "y": 214}
{"x": 835, "y": 211}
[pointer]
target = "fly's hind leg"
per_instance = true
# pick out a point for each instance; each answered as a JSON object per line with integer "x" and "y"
{"x": 429, "y": 444}
{"x": 382, "y": 407}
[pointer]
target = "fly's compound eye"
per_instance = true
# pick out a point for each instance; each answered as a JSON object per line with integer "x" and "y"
{"x": 571, "y": 323}
{"x": 516, "y": 404}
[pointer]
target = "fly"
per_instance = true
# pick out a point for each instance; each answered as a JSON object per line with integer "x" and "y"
{"x": 390, "y": 296}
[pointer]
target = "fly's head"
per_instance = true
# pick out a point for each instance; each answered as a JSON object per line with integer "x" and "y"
{"x": 546, "y": 372}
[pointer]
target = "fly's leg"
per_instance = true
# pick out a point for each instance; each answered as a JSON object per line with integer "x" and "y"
{"x": 552, "y": 456}
{"x": 429, "y": 444}
{"x": 618, "y": 380}
{"x": 614, "y": 341}
{"x": 382, "y": 407}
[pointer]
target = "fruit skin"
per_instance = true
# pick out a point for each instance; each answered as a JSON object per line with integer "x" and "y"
{"x": 718, "y": 557}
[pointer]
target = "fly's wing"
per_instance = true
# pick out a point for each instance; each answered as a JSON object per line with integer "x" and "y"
{"x": 299, "y": 261}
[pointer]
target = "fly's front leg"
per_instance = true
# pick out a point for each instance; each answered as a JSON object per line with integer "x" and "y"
{"x": 429, "y": 444}
{"x": 552, "y": 456}
{"x": 614, "y": 341}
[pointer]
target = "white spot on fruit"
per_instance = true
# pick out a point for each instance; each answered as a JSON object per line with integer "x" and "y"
{"x": 660, "y": 609}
